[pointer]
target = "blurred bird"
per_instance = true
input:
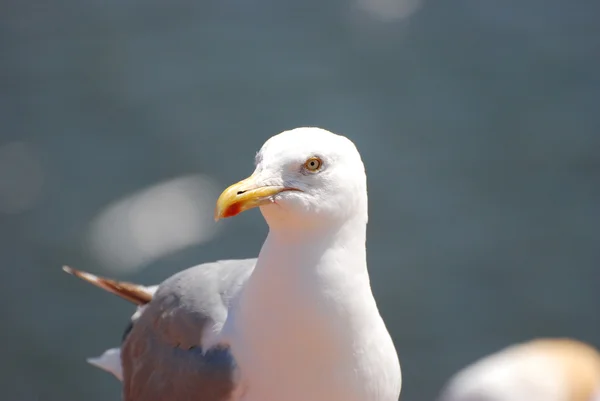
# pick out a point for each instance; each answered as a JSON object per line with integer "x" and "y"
{"x": 299, "y": 323}
{"x": 547, "y": 369}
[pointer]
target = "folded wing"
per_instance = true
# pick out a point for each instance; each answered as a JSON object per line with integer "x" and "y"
{"x": 166, "y": 353}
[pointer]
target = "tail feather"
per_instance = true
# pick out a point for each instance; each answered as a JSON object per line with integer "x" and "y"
{"x": 109, "y": 361}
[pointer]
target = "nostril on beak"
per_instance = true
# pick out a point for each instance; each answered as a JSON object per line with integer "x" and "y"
{"x": 240, "y": 192}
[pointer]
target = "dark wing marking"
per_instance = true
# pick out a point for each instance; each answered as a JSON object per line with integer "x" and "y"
{"x": 127, "y": 331}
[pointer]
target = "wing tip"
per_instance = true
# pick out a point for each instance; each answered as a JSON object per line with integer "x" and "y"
{"x": 81, "y": 274}
{"x": 134, "y": 293}
{"x": 70, "y": 270}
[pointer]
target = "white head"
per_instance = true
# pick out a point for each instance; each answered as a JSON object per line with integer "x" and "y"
{"x": 303, "y": 177}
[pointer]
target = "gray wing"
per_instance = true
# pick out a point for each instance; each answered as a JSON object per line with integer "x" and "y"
{"x": 161, "y": 354}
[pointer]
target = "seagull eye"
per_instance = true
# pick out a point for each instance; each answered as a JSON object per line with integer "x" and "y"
{"x": 313, "y": 164}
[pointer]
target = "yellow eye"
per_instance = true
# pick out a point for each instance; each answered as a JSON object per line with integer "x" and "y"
{"x": 313, "y": 164}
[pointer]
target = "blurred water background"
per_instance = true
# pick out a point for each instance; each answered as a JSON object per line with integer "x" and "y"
{"x": 121, "y": 121}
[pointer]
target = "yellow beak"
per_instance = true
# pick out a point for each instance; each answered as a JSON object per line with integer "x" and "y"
{"x": 245, "y": 195}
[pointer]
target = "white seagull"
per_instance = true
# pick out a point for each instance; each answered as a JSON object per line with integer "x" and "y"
{"x": 299, "y": 323}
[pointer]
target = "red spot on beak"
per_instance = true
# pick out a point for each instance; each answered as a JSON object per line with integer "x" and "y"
{"x": 233, "y": 209}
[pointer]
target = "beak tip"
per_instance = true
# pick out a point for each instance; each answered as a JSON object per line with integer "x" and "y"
{"x": 242, "y": 196}
{"x": 222, "y": 211}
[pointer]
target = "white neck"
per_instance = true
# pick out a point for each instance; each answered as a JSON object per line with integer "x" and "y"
{"x": 307, "y": 320}
{"x": 326, "y": 259}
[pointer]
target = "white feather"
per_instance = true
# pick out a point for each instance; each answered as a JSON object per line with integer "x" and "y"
{"x": 109, "y": 361}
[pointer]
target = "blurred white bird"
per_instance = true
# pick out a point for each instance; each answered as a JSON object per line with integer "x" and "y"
{"x": 548, "y": 369}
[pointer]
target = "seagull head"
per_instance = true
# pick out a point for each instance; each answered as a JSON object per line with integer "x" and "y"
{"x": 303, "y": 177}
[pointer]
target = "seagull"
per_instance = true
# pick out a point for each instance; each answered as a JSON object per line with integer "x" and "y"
{"x": 544, "y": 369}
{"x": 299, "y": 323}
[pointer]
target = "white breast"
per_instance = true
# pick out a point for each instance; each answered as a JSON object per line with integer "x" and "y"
{"x": 300, "y": 336}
